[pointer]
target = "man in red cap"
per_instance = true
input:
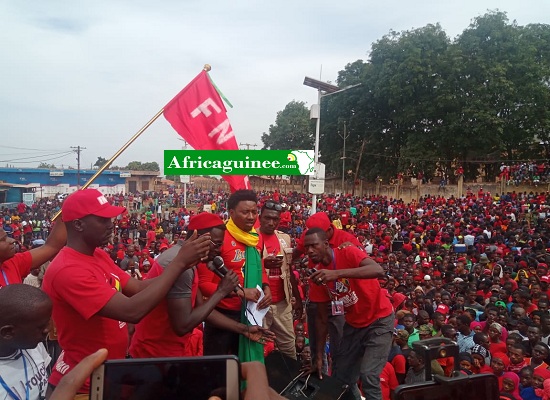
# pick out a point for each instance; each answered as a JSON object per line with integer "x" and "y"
{"x": 336, "y": 238}
{"x": 170, "y": 329}
{"x": 92, "y": 298}
{"x": 349, "y": 281}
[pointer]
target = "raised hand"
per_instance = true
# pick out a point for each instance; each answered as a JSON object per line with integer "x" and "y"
{"x": 194, "y": 249}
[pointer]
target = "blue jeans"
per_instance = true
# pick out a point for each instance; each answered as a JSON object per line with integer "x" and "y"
{"x": 363, "y": 353}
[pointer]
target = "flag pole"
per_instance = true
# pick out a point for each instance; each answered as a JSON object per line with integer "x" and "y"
{"x": 118, "y": 153}
{"x": 206, "y": 67}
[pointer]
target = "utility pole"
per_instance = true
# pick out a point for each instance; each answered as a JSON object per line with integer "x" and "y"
{"x": 357, "y": 168}
{"x": 185, "y": 179}
{"x": 77, "y": 150}
{"x": 248, "y": 145}
{"x": 344, "y": 136}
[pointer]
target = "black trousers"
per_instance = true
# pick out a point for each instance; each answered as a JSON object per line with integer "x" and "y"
{"x": 220, "y": 341}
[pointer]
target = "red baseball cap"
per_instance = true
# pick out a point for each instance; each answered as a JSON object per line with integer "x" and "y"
{"x": 204, "y": 220}
{"x": 545, "y": 278}
{"x": 443, "y": 309}
{"x": 88, "y": 202}
{"x": 318, "y": 220}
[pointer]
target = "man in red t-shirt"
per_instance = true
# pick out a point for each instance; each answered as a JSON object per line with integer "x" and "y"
{"x": 92, "y": 298}
{"x": 240, "y": 251}
{"x": 169, "y": 330}
{"x": 283, "y": 285}
{"x": 14, "y": 267}
{"x": 350, "y": 279}
{"x": 336, "y": 238}
{"x": 344, "y": 217}
{"x": 286, "y": 220}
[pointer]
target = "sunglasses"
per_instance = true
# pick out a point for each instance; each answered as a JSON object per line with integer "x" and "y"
{"x": 271, "y": 205}
{"x": 216, "y": 244}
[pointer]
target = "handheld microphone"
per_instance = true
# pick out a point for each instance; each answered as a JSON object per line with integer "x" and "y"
{"x": 218, "y": 267}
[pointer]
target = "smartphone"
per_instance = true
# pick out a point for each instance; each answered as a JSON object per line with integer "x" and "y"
{"x": 473, "y": 387}
{"x": 311, "y": 271}
{"x": 185, "y": 378}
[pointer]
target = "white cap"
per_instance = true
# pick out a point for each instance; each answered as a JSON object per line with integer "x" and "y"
{"x": 427, "y": 278}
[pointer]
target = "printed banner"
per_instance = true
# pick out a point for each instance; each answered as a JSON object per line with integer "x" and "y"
{"x": 239, "y": 162}
{"x": 198, "y": 114}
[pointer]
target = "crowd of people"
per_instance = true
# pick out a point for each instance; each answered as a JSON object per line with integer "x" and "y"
{"x": 531, "y": 172}
{"x": 347, "y": 291}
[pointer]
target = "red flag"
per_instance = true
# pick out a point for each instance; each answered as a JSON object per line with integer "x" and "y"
{"x": 198, "y": 114}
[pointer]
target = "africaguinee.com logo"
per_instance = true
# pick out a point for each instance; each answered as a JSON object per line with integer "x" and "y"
{"x": 239, "y": 162}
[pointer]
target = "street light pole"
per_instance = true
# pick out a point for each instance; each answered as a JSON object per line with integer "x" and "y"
{"x": 328, "y": 89}
{"x": 345, "y": 136}
{"x": 316, "y": 152}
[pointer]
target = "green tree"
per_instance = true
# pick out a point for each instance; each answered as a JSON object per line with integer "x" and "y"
{"x": 427, "y": 102}
{"x": 46, "y": 165}
{"x": 293, "y": 129}
{"x": 139, "y": 166}
{"x": 100, "y": 162}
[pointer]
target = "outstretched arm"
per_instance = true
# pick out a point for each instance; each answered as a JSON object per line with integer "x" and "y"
{"x": 55, "y": 242}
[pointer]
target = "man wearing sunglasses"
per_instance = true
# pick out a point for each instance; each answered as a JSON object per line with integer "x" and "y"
{"x": 276, "y": 254}
{"x": 170, "y": 329}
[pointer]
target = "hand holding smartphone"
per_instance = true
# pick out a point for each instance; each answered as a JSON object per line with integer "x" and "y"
{"x": 193, "y": 378}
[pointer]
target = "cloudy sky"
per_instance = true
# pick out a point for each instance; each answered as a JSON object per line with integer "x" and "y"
{"x": 92, "y": 73}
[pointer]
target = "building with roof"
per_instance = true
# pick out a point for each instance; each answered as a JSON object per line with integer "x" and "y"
{"x": 16, "y": 182}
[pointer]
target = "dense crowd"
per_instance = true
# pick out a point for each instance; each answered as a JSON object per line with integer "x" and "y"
{"x": 473, "y": 269}
{"x": 531, "y": 172}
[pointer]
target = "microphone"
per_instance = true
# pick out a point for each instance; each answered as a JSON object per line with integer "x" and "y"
{"x": 218, "y": 267}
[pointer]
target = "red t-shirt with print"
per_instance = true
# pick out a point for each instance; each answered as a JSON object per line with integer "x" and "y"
{"x": 363, "y": 299}
{"x": 233, "y": 254}
{"x": 80, "y": 286}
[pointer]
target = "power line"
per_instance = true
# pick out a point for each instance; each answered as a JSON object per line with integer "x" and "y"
{"x": 47, "y": 159}
{"x": 24, "y": 148}
{"x": 42, "y": 155}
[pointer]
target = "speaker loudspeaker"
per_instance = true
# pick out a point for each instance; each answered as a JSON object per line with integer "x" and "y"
{"x": 284, "y": 377}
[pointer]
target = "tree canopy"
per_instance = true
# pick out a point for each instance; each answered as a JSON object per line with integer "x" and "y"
{"x": 428, "y": 103}
{"x": 139, "y": 166}
{"x": 293, "y": 129}
{"x": 46, "y": 165}
{"x": 100, "y": 162}
{"x": 132, "y": 166}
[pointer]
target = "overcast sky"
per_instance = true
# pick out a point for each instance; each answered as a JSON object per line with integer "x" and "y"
{"x": 92, "y": 73}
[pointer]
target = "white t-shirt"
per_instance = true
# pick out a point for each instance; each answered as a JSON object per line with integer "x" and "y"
{"x": 12, "y": 371}
{"x": 32, "y": 281}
